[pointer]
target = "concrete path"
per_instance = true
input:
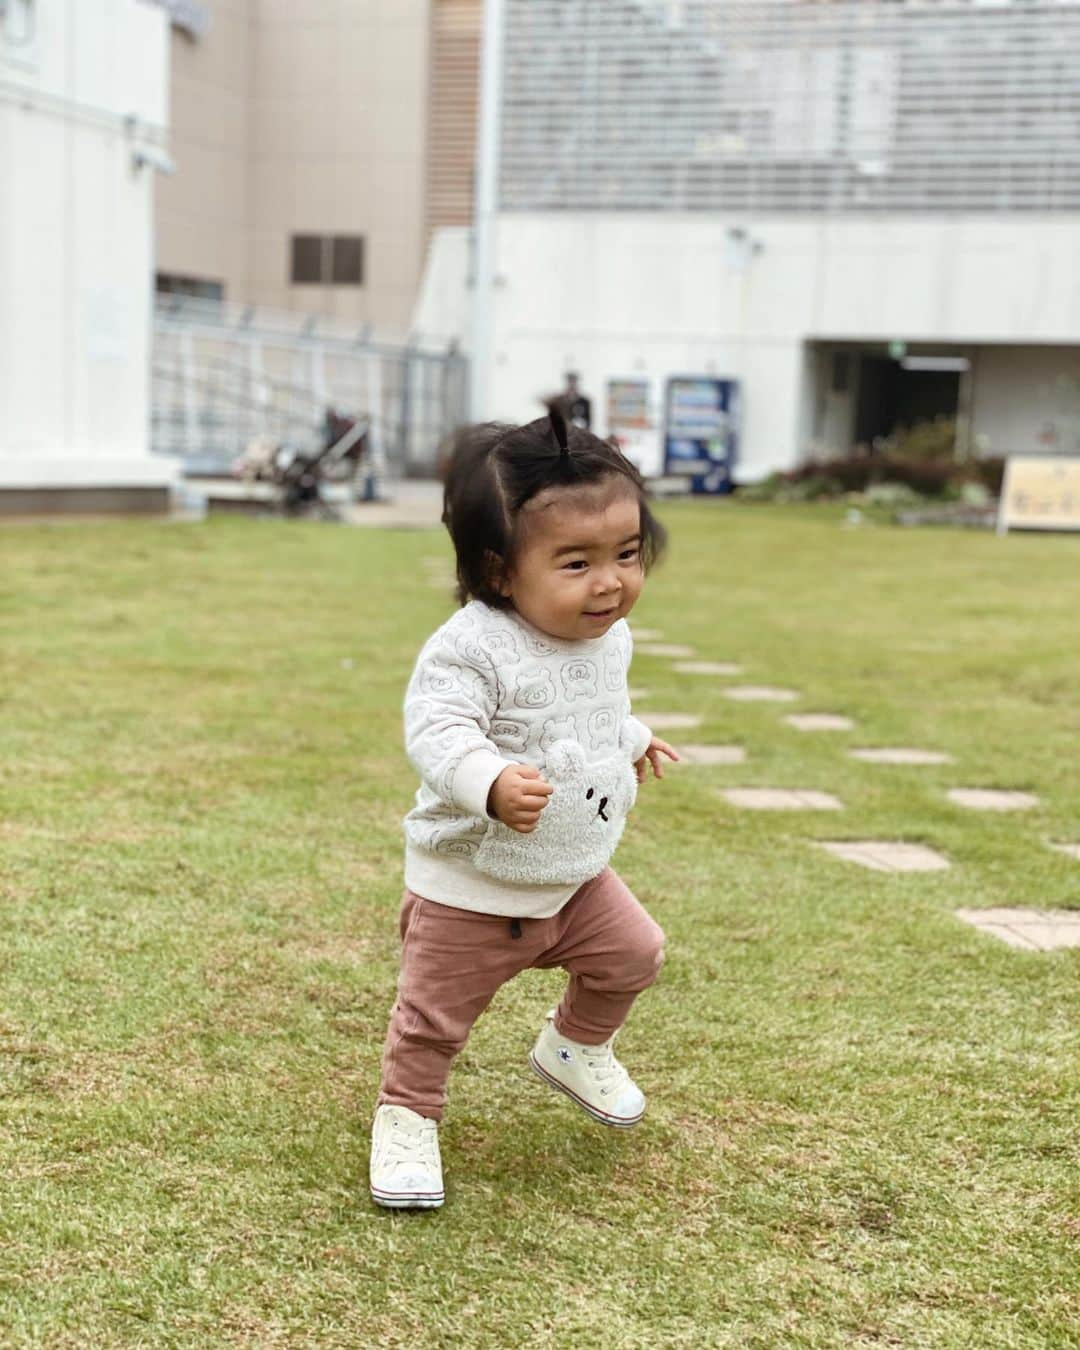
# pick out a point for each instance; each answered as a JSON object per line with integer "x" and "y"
{"x": 819, "y": 722}
{"x": 411, "y": 505}
{"x": 992, "y": 799}
{"x": 1032, "y": 930}
{"x": 711, "y": 754}
{"x": 665, "y": 721}
{"x": 759, "y": 693}
{"x": 663, "y": 649}
{"x": 782, "y": 799}
{"x": 900, "y": 755}
{"x": 707, "y": 668}
{"x": 882, "y": 856}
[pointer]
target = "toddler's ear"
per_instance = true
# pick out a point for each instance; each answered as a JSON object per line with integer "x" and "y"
{"x": 565, "y": 760}
{"x": 497, "y": 576}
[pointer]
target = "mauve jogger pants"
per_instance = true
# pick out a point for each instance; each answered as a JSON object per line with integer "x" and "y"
{"x": 454, "y": 960}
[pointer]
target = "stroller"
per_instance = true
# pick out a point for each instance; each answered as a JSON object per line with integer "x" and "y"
{"x": 298, "y": 475}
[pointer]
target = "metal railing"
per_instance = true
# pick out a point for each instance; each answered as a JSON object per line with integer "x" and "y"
{"x": 226, "y": 375}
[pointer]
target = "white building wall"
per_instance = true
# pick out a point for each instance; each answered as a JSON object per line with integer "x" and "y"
{"x": 76, "y": 244}
{"x": 1026, "y": 400}
{"x": 664, "y": 294}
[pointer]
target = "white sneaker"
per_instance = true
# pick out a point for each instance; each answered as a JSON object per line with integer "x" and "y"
{"x": 589, "y": 1075}
{"x": 406, "y": 1170}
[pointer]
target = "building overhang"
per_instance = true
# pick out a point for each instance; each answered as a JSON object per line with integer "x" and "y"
{"x": 189, "y": 16}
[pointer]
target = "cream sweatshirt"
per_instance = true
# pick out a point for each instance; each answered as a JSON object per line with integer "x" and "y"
{"x": 490, "y": 690}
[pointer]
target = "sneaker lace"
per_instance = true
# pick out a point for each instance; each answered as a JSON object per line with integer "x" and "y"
{"x": 412, "y": 1145}
{"x": 604, "y": 1067}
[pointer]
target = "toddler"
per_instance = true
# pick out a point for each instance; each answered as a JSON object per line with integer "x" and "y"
{"x": 517, "y": 718}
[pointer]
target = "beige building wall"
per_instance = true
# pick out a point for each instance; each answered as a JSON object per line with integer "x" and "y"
{"x": 202, "y": 214}
{"x": 301, "y": 118}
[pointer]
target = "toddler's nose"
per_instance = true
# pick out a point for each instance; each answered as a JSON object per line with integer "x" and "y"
{"x": 608, "y": 581}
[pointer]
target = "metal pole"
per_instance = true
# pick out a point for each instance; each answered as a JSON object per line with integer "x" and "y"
{"x": 486, "y": 205}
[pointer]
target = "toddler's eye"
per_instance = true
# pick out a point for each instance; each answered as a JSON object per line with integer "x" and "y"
{"x": 627, "y": 554}
{"x": 576, "y": 565}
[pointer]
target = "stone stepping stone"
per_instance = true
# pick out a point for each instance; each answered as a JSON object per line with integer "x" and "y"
{"x": 661, "y": 720}
{"x": 900, "y": 755}
{"x": 881, "y": 856}
{"x": 1032, "y": 930}
{"x": 647, "y": 635}
{"x": 782, "y": 799}
{"x": 819, "y": 722}
{"x": 991, "y": 799}
{"x": 707, "y": 668}
{"x": 663, "y": 649}
{"x": 759, "y": 693}
{"x": 711, "y": 754}
{"x": 1073, "y": 850}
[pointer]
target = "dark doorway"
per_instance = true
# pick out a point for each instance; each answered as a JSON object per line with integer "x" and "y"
{"x": 890, "y": 396}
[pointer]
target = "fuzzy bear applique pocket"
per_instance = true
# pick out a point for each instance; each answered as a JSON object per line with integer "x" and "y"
{"x": 578, "y": 829}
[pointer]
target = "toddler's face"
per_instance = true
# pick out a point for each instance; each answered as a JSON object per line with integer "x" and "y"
{"x": 578, "y": 568}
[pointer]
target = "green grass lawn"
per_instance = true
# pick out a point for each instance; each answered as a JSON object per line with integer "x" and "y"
{"x": 863, "y": 1120}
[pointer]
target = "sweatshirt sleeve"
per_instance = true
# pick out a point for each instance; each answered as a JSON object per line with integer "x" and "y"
{"x": 449, "y": 705}
{"x": 636, "y": 733}
{"x": 639, "y": 737}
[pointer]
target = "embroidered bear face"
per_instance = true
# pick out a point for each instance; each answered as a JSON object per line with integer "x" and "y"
{"x": 498, "y": 649}
{"x": 535, "y": 689}
{"x": 614, "y": 671}
{"x": 510, "y": 735}
{"x": 602, "y": 732}
{"x": 502, "y": 647}
{"x": 437, "y": 680}
{"x": 579, "y": 828}
{"x": 469, "y": 649}
{"x": 536, "y": 646}
{"x": 449, "y": 739}
{"x": 456, "y": 848}
{"x": 579, "y": 679}
{"x": 441, "y": 681}
{"x": 557, "y": 729}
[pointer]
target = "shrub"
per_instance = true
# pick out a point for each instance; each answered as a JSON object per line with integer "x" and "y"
{"x": 919, "y": 458}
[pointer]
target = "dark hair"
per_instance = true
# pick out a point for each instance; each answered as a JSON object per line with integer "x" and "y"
{"x": 494, "y": 469}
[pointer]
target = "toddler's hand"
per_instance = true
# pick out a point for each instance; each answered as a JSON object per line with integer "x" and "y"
{"x": 657, "y": 747}
{"x": 518, "y": 796}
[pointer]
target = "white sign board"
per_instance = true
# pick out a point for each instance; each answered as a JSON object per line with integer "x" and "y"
{"x": 1040, "y": 492}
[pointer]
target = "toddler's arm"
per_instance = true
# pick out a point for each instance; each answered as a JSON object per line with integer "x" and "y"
{"x": 645, "y": 748}
{"x": 449, "y": 706}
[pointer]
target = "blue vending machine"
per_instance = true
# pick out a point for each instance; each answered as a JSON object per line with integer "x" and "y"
{"x": 701, "y": 431}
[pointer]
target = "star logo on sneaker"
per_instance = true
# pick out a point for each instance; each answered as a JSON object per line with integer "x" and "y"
{"x": 565, "y": 1055}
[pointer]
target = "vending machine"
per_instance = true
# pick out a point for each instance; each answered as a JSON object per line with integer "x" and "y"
{"x": 633, "y": 422}
{"x": 701, "y": 431}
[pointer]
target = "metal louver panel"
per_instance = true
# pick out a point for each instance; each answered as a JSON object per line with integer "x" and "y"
{"x": 792, "y": 105}
{"x": 455, "y": 73}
